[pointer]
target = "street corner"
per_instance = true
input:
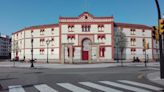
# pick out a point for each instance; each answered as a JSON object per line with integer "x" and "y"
{"x": 155, "y": 78}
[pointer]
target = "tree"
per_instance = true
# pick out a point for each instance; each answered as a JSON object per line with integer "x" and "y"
{"x": 15, "y": 47}
{"x": 120, "y": 43}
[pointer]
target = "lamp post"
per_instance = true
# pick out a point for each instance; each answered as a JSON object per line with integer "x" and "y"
{"x": 145, "y": 59}
{"x": 47, "y": 42}
{"x": 32, "y": 60}
{"x": 117, "y": 43}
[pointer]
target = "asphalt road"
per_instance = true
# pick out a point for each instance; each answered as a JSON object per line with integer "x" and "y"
{"x": 112, "y": 79}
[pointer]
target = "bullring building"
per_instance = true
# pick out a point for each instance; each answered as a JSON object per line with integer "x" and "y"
{"x": 81, "y": 39}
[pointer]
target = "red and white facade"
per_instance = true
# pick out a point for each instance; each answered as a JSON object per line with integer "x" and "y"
{"x": 78, "y": 39}
{"x": 136, "y": 34}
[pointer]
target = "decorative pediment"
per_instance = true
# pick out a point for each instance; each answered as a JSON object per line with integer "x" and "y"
{"x": 86, "y": 17}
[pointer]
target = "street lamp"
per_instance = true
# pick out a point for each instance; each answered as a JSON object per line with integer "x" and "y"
{"x": 117, "y": 43}
{"x": 32, "y": 60}
{"x": 47, "y": 42}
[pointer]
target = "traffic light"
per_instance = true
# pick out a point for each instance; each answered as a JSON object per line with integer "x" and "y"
{"x": 155, "y": 33}
{"x": 161, "y": 24}
{"x": 144, "y": 43}
{"x": 147, "y": 45}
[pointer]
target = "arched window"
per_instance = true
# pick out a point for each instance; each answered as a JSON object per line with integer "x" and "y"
{"x": 68, "y": 51}
{"x": 102, "y": 52}
{"x": 73, "y": 51}
{"x": 86, "y": 28}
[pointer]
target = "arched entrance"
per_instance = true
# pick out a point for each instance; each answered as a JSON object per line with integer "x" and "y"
{"x": 85, "y": 48}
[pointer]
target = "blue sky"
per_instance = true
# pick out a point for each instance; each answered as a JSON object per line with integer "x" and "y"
{"x": 17, "y": 14}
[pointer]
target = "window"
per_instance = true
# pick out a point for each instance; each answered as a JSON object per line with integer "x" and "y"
{"x": 52, "y": 31}
{"x": 73, "y": 51}
{"x": 70, "y": 28}
{"x": 100, "y": 28}
{"x": 68, "y": 51}
{"x": 133, "y": 41}
{"x": 86, "y": 28}
{"x": 52, "y": 39}
{"x": 52, "y": 51}
{"x": 42, "y": 32}
{"x": 42, "y": 42}
{"x": 70, "y": 37}
{"x": 133, "y": 50}
{"x": 143, "y": 32}
{"x": 101, "y": 36}
{"x": 32, "y": 31}
{"x": 132, "y": 31}
{"x": 102, "y": 52}
{"x": 41, "y": 51}
{"x": 86, "y": 17}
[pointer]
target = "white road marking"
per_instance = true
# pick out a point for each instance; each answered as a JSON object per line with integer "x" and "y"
{"x": 154, "y": 68}
{"x": 124, "y": 86}
{"x": 16, "y": 88}
{"x": 141, "y": 85}
{"x": 99, "y": 87}
{"x": 72, "y": 87}
{"x": 44, "y": 88}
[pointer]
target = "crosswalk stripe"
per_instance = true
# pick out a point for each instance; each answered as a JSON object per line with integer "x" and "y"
{"x": 44, "y": 88}
{"x": 141, "y": 85}
{"x": 72, "y": 87}
{"x": 124, "y": 86}
{"x": 16, "y": 88}
{"x": 99, "y": 87}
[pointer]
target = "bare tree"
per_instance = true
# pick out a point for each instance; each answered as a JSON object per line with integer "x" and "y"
{"x": 120, "y": 43}
{"x": 15, "y": 47}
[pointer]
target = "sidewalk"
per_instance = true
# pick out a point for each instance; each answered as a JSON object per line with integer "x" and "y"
{"x": 57, "y": 66}
{"x": 155, "y": 77}
{"x": 50, "y": 65}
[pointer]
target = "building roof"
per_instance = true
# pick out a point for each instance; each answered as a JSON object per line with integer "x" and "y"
{"x": 136, "y": 26}
{"x": 38, "y": 27}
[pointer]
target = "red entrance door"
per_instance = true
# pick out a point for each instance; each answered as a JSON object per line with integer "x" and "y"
{"x": 85, "y": 48}
{"x": 85, "y": 55}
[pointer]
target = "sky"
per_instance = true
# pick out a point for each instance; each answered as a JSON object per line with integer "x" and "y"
{"x": 18, "y": 14}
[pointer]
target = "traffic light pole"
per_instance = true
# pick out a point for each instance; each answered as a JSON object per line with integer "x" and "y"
{"x": 160, "y": 43}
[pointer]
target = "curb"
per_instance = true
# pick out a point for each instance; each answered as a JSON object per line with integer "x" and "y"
{"x": 155, "y": 78}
